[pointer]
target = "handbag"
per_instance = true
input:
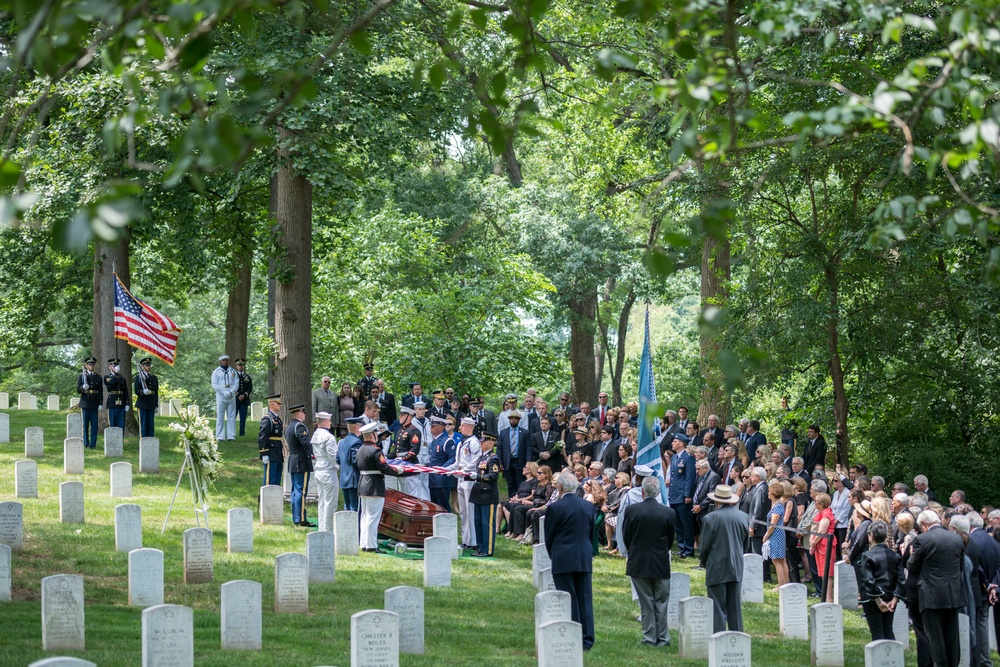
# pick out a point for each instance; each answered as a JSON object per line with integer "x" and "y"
{"x": 765, "y": 551}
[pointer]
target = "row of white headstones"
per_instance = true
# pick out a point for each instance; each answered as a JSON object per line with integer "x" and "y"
{"x": 171, "y": 408}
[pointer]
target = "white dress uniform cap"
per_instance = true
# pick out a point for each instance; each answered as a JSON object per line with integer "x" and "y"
{"x": 223, "y": 356}
{"x": 407, "y": 410}
{"x": 323, "y": 415}
{"x": 468, "y": 421}
{"x": 369, "y": 427}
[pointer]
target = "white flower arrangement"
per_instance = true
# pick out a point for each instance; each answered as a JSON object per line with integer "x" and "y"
{"x": 198, "y": 437}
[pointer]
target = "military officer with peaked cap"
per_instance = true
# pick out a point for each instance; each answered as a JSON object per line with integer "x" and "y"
{"x": 116, "y": 387}
{"x": 367, "y": 383}
{"x": 244, "y": 388}
{"x": 300, "y": 463}
{"x": 485, "y": 494}
{"x": 371, "y": 489}
{"x": 269, "y": 442}
{"x": 146, "y": 388}
{"x": 91, "y": 389}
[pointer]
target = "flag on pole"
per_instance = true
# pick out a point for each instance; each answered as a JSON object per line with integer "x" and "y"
{"x": 143, "y": 326}
{"x": 648, "y": 451}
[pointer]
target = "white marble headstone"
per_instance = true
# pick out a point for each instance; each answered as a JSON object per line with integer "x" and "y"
{"x": 128, "y": 528}
{"x": 256, "y": 411}
{"x": 145, "y": 578}
{"x": 26, "y": 401}
{"x": 11, "y": 525}
{"x": 73, "y": 456}
{"x": 194, "y": 410}
{"x": 4, "y": 426}
{"x": 241, "y": 615}
{"x": 884, "y": 653}
{"x": 437, "y": 561}
{"x": 74, "y": 425}
{"x": 71, "y": 502}
{"x": 62, "y": 661}
{"x": 52, "y": 402}
{"x": 407, "y": 602}
{"x": 62, "y": 613}
{"x": 121, "y": 479}
{"x": 34, "y": 442}
{"x": 845, "y": 585}
{"x": 198, "y": 562}
{"x": 319, "y": 550}
{"x": 963, "y": 641}
{"x": 4, "y": 400}
{"x": 272, "y": 505}
{"x": 752, "y": 589}
{"x": 560, "y": 644}
{"x": 541, "y": 529}
{"x": 901, "y": 624}
{"x": 345, "y": 533}
{"x": 149, "y": 455}
{"x": 5, "y": 565}
{"x": 545, "y": 581}
{"x": 793, "y": 611}
{"x": 445, "y": 524}
{"x": 176, "y": 406}
{"x": 291, "y": 584}
{"x": 167, "y": 636}
{"x": 993, "y": 634}
{"x": 166, "y": 409}
{"x": 680, "y": 588}
{"x": 74, "y": 402}
{"x": 697, "y": 622}
{"x": 826, "y": 634}
{"x": 551, "y": 606}
{"x": 113, "y": 442}
{"x": 26, "y": 479}
{"x": 239, "y": 530}
{"x": 540, "y": 560}
{"x": 375, "y": 639}
{"x": 729, "y": 649}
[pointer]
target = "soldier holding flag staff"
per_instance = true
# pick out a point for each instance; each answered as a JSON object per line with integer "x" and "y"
{"x": 116, "y": 387}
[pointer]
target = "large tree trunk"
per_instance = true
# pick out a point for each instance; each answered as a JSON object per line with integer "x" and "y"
{"x": 581, "y": 348}
{"x": 272, "y": 212}
{"x": 108, "y": 259}
{"x": 840, "y": 404}
{"x": 616, "y": 372}
{"x": 293, "y": 289}
{"x": 715, "y": 274}
{"x": 238, "y": 309}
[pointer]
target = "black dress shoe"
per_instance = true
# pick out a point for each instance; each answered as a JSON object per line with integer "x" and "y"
{"x": 306, "y": 524}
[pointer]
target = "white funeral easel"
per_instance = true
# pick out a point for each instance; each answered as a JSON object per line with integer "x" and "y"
{"x": 199, "y": 513}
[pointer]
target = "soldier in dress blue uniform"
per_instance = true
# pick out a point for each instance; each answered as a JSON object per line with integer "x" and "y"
{"x": 300, "y": 463}
{"x": 89, "y": 386}
{"x": 244, "y": 387}
{"x": 146, "y": 388}
{"x": 347, "y": 451}
{"x": 116, "y": 387}
{"x": 680, "y": 493}
{"x": 269, "y": 442}
{"x": 485, "y": 495}
{"x": 367, "y": 383}
{"x": 442, "y": 455}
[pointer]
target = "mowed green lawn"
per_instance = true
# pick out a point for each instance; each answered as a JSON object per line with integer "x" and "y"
{"x": 486, "y": 618}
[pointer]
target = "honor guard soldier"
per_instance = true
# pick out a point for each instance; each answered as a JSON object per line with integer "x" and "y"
{"x": 324, "y": 451}
{"x": 116, "y": 386}
{"x": 224, "y": 385}
{"x": 146, "y": 388}
{"x": 300, "y": 463}
{"x": 442, "y": 455}
{"x": 91, "y": 391}
{"x": 269, "y": 442}
{"x": 347, "y": 453}
{"x": 367, "y": 383}
{"x": 407, "y": 444}
{"x": 244, "y": 387}
{"x": 485, "y": 495}
{"x": 371, "y": 489}
{"x": 466, "y": 461}
{"x": 440, "y": 408}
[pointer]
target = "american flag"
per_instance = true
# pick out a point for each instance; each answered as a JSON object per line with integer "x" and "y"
{"x": 143, "y": 326}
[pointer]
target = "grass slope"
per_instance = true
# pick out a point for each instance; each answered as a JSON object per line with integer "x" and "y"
{"x": 486, "y": 618}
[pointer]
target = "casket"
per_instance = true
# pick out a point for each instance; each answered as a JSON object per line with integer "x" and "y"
{"x": 407, "y": 518}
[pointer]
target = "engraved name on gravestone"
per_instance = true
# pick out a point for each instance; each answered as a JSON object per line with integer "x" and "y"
{"x": 71, "y": 502}
{"x": 319, "y": 550}
{"x": 239, "y": 530}
{"x": 128, "y": 528}
{"x": 149, "y": 455}
{"x": 729, "y": 649}
{"x": 560, "y": 644}
{"x": 407, "y": 602}
{"x": 114, "y": 442}
{"x": 26, "y": 479}
{"x": 197, "y": 556}
{"x": 241, "y": 615}
{"x": 73, "y": 456}
{"x": 680, "y": 588}
{"x": 437, "y": 561}
{"x": 145, "y": 577}
{"x": 696, "y": 627}
{"x": 375, "y": 639}
{"x": 793, "y": 611}
{"x": 272, "y": 499}
{"x": 752, "y": 589}
{"x": 121, "y": 479}
{"x": 345, "y": 533}
{"x": 34, "y": 442}
{"x": 62, "y": 613}
{"x": 167, "y": 636}
{"x": 551, "y": 606}
{"x": 291, "y": 584}
{"x": 74, "y": 425}
{"x": 545, "y": 581}
{"x": 884, "y": 653}
{"x": 11, "y": 526}
{"x": 826, "y": 634}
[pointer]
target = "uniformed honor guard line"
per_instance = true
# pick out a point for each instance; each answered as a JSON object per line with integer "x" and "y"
{"x": 828, "y": 575}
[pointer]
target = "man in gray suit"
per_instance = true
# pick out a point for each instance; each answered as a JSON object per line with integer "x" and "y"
{"x": 760, "y": 505}
{"x": 325, "y": 400}
{"x": 723, "y": 532}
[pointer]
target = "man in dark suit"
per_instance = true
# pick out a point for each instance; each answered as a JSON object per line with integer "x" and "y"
{"x": 760, "y": 505}
{"x": 569, "y": 539}
{"x": 936, "y": 564}
{"x": 815, "y": 450}
{"x": 566, "y": 403}
{"x": 606, "y": 450}
{"x": 799, "y": 469}
{"x": 542, "y": 444}
{"x": 416, "y": 394}
{"x": 682, "y": 419}
{"x": 489, "y": 415}
{"x": 708, "y": 479}
{"x": 692, "y": 434}
{"x": 755, "y": 439}
{"x": 985, "y": 579}
{"x": 386, "y": 403}
{"x": 723, "y": 533}
{"x": 600, "y": 413}
{"x": 515, "y": 450}
{"x": 712, "y": 426}
{"x": 648, "y": 532}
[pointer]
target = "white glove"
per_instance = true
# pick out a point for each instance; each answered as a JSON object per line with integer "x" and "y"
{"x": 265, "y": 459}
{"x": 127, "y": 408}
{"x": 86, "y": 386}
{"x": 147, "y": 392}
{"x": 100, "y": 407}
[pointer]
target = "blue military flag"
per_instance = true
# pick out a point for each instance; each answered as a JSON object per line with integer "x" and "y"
{"x": 648, "y": 451}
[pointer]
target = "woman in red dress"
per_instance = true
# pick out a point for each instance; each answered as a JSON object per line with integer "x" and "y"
{"x": 825, "y": 522}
